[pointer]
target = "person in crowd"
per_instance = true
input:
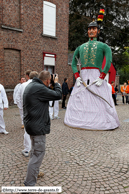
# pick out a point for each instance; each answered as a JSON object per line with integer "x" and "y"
{"x": 54, "y": 109}
{"x": 124, "y": 93}
{"x": 27, "y": 141}
{"x": 127, "y": 91}
{"x": 36, "y": 99}
{"x": 22, "y": 80}
{"x": 53, "y": 105}
{"x": 113, "y": 92}
{"x": 116, "y": 90}
{"x": 65, "y": 91}
{"x": 18, "y": 99}
{"x": 86, "y": 110}
{"x": 3, "y": 105}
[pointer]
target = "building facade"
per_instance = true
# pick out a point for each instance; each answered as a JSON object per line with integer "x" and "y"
{"x": 33, "y": 35}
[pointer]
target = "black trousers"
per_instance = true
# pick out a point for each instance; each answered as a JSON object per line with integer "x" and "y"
{"x": 63, "y": 102}
{"x": 114, "y": 98}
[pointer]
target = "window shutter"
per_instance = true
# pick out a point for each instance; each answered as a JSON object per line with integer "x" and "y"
{"x": 49, "y": 18}
{"x": 49, "y": 59}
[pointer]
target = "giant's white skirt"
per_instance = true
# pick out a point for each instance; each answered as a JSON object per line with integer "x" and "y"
{"x": 87, "y": 111}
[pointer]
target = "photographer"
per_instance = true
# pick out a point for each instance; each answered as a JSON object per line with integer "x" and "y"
{"x": 36, "y": 119}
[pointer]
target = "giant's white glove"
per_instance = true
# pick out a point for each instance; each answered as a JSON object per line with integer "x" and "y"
{"x": 99, "y": 81}
{"x": 79, "y": 81}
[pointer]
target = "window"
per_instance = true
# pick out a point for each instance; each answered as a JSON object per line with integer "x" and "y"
{"x": 49, "y": 60}
{"x": 49, "y": 18}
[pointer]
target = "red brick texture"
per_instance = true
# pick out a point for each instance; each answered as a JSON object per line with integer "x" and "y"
{"x": 11, "y": 68}
{"x": 20, "y": 51}
{"x": 11, "y": 13}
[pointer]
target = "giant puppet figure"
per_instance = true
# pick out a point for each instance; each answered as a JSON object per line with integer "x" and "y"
{"x": 90, "y": 105}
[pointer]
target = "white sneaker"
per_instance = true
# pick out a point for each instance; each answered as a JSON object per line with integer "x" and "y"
{"x": 51, "y": 118}
{"x": 25, "y": 153}
{"x": 5, "y": 132}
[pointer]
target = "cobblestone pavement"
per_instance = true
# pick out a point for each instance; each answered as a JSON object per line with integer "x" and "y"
{"x": 82, "y": 162}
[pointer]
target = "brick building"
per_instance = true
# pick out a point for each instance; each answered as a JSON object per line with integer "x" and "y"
{"x": 33, "y": 35}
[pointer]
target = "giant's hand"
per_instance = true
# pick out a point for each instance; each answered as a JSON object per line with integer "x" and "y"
{"x": 98, "y": 81}
{"x": 79, "y": 81}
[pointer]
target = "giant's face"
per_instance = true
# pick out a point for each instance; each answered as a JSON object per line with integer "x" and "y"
{"x": 92, "y": 32}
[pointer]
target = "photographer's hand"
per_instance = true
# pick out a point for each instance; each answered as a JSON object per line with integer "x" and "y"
{"x": 56, "y": 78}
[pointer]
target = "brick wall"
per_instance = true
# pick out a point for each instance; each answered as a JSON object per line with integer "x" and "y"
{"x": 22, "y": 43}
{"x": 11, "y": 68}
{"x": 11, "y": 13}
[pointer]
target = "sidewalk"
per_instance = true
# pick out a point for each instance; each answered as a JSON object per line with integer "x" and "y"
{"x": 82, "y": 162}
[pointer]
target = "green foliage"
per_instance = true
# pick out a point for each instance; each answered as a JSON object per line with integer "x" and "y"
{"x": 124, "y": 70}
{"x": 124, "y": 75}
{"x": 126, "y": 58}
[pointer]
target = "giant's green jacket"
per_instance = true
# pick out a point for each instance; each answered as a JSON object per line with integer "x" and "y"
{"x": 91, "y": 54}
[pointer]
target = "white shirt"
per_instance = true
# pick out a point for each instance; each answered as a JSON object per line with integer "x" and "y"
{"x": 3, "y": 97}
{"x": 15, "y": 92}
{"x": 19, "y": 97}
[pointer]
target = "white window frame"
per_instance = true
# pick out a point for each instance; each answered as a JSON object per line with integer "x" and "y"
{"x": 49, "y": 59}
{"x": 49, "y": 19}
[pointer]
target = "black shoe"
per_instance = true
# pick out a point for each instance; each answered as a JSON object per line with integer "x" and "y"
{"x": 64, "y": 107}
{"x": 116, "y": 104}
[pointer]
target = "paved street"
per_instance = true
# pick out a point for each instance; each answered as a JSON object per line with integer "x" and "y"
{"x": 82, "y": 162}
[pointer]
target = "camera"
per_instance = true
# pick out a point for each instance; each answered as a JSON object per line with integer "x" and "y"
{"x": 53, "y": 76}
{"x": 52, "y": 80}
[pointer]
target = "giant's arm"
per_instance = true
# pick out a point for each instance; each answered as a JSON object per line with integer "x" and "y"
{"x": 74, "y": 63}
{"x": 108, "y": 56}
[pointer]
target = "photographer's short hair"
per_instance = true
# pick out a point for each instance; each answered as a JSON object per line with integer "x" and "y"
{"x": 44, "y": 75}
{"x": 33, "y": 74}
{"x": 28, "y": 72}
{"x": 65, "y": 79}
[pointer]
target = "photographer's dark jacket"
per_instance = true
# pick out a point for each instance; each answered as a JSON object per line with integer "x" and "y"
{"x": 36, "y": 99}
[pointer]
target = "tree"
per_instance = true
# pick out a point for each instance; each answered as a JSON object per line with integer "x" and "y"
{"x": 124, "y": 71}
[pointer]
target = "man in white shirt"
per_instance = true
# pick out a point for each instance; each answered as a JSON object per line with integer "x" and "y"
{"x": 54, "y": 109}
{"x": 22, "y": 80}
{"x": 3, "y": 105}
{"x": 19, "y": 100}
